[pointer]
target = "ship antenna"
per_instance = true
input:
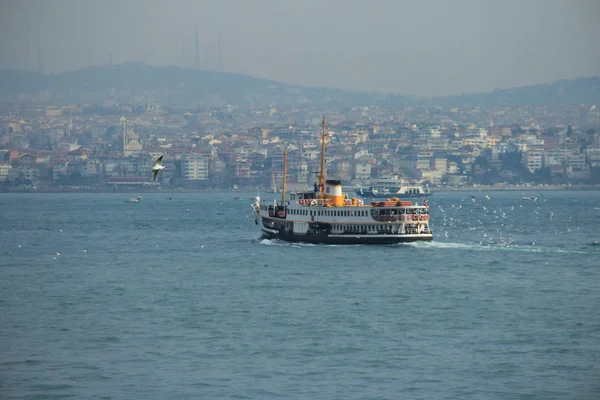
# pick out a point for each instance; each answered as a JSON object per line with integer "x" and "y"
{"x": 322, "y": 174}
{"x": 284, "y": 175}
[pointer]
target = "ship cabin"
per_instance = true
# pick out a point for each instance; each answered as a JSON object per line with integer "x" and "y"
{"x": 328, "y": 195}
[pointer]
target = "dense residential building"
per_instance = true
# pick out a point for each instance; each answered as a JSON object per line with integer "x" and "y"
{"x": 533, "y": 159}
{"x": 195, "y": 167}
{"x": 52, "y": 146}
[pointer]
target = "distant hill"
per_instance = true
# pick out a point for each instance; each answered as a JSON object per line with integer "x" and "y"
{"x": 138, "y": 82}
{"x": 174, "y": 85}
{"x": 563, "y": 92}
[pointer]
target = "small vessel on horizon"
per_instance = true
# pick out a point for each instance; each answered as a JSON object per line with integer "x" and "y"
{"x": 327, "y": 215}
{"x": 530, "y": 198}
{"x": 393, "y": 187}
{"x": 134, "y": 200}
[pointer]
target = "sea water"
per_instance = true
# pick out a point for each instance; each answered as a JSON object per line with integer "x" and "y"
{"x": 181, "y": 299}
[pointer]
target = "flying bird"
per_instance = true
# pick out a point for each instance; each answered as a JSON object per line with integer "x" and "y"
{"x": 157, "y": 167}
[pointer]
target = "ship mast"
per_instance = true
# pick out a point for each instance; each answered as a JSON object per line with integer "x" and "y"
{"x": 284, "y": 175}
{"x": 322, "y": 174}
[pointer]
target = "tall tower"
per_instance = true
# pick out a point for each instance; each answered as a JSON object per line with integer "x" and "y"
{"x": 183, "y": 54}
{"x": 26, "y": 65}
{"x": 197, "y": 52}
{"x": 40, "y": 68}
{"x": 219, "y": 59}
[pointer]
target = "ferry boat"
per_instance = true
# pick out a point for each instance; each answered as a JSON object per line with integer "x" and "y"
{"x": 327, "y": 215}
{"x": 391, "y": 187}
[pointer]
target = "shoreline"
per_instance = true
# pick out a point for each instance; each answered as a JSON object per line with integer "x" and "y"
{"x": 266, "y": 191}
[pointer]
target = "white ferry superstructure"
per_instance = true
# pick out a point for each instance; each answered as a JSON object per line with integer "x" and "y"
{"x": 391, "y": 187}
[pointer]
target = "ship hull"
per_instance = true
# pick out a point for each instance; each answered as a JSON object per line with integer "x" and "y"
{"x": 344, "y": 239}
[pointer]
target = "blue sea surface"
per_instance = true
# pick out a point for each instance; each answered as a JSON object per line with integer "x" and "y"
{"x": 181, "y": 299}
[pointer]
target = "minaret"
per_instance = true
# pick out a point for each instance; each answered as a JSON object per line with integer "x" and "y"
{"x": 124, "y": 133}
{"x": 70, "y": 126}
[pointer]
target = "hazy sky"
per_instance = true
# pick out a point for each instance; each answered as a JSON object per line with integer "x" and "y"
{"x": 431, "y": 47}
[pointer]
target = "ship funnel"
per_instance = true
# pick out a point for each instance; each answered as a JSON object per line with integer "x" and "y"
{"x": 333, "y": 192}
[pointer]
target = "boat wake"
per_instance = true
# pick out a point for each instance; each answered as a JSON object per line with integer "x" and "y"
{"x": 283, "y": 243}
{"x": 501, "y": 246}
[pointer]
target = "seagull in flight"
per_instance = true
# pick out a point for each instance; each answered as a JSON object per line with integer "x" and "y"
{"x": 157, "y": 167}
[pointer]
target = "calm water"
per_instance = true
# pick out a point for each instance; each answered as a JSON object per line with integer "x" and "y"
{"x": 178, "y": 299}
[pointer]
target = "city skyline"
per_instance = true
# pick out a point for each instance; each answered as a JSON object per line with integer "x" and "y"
{"x": 425, "y": 48}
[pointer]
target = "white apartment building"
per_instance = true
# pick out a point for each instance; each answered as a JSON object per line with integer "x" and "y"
{"x": 195, "y": 167}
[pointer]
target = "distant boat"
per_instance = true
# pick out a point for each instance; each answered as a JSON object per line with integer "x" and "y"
{"x": 533, "y": 198}
{"x": 389, "y": 187}
{"x": 134, "y": 200}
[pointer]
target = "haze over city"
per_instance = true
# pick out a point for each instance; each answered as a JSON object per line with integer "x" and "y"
{"x": 414, "y": 47}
